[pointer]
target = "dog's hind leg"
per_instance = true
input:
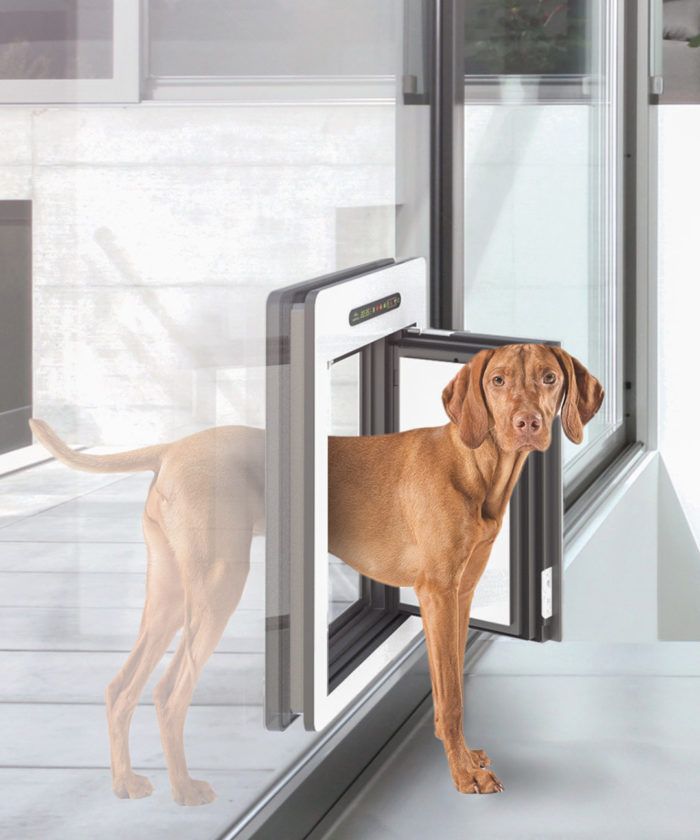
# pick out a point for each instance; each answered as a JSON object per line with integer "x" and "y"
{"x": 213, "y": 590}
{"x": 162, "y": 616}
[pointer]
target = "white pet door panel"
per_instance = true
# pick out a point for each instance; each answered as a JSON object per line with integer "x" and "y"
{"x": 330, "y": 631}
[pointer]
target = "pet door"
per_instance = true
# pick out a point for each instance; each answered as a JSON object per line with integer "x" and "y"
{"x": 346, "y": 357}
{"x": 330, "y": 631}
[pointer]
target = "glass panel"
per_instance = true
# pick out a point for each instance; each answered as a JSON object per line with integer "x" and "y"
{"x": 56, "y": 39}
{"x": 420, "y": 404}
{"x": 274, "y": 38}
{"x": 680, "y": 51}
{"x": 542, "y": 253}
{"x": 157, "y": 237}
{"x": 344, "y": 583}
{"x": 525, "y": 37}
{"x": 15, "y": 324}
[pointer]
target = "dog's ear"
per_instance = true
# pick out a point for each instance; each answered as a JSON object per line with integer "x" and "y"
{"x": 465, "y": 402}
{"x": 584, "y": 395}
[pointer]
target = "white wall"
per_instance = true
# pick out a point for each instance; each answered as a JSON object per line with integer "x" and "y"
{"x": 610, "y": 584}
{"x": 679, "y": 389}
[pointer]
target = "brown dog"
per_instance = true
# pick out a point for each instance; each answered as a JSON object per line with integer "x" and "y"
{"x": 447, "y": 487}
{"x": 204, "y": 505}
{"x": 422, "y": 508}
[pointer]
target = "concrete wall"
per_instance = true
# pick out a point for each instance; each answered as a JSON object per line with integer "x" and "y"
{"x": 159, "y": 231}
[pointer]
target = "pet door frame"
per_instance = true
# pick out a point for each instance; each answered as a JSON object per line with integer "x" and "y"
{"x": 312, "y": 667}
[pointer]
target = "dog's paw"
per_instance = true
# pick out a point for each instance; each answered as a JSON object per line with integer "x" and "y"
{"x": 132, "y": 786}
{"x": 477, "y": 781}
{"x": 480, "y": 758}
{"x": 194, "y": 792}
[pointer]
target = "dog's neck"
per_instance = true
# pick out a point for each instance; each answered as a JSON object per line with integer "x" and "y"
{"x": 499, "y": 471}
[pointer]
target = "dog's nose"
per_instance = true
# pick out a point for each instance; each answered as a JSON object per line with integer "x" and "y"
{"x": 528, "y": 421}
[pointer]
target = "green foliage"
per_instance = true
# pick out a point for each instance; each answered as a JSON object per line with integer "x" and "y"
{"x": 535, "y": 37}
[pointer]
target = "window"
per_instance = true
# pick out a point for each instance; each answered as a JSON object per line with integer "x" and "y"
{"x": 298, "y": 49}
{"x": 15, "y": 324}
{"x": 542, "y": 201}
{"x": 69, "y": 51}
{"x": 530, "y": 37}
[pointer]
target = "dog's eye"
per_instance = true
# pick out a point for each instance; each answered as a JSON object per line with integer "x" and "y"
{"x": 549, "y": 378}
{"x": 498, "y": 380}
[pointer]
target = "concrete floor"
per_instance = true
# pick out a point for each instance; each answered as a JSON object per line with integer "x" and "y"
{"x": 612, "y": 752}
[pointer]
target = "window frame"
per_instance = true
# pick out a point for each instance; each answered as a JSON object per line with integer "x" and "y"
{"x": 123, "y": 86}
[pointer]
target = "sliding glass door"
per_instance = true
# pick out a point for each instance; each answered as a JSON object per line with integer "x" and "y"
{"x": 543, "y": 153}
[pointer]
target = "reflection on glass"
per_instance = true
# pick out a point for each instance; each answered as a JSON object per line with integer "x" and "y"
{"x": 524, "y": 38}
{"x": 541, "y": 196}
{"x": 56, "y": 39}
{"x": 420, "y": 405}
{"x": 344, "y": 583}
{"x": 274, "y": 37}
{"x": 143, "y": 335}
{"x": 680, "y": 52}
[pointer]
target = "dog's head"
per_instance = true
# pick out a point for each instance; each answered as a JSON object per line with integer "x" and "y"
{"x": 516, "y": 391}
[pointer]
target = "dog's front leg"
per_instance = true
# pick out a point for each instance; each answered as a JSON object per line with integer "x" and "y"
{"x": 439, "y": 603}
{"x": 464, "y": 604}
{"x": 467, "y": 585}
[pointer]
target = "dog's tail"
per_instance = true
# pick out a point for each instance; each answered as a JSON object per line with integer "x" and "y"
{"x": 135, "y": 460}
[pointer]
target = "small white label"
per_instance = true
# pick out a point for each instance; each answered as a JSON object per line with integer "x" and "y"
{"x": 547, "y": 592}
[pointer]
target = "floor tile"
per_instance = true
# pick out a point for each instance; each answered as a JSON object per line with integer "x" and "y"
{"x": 72, "y": 585}
{"x": 580, "y": 757}
{"x": 216, "y": 737}
{"x": 56, "y": 804}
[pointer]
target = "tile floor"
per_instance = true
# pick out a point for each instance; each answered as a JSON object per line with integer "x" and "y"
{"x": 72, "y": 575}
{"x": 611, "y": 752}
